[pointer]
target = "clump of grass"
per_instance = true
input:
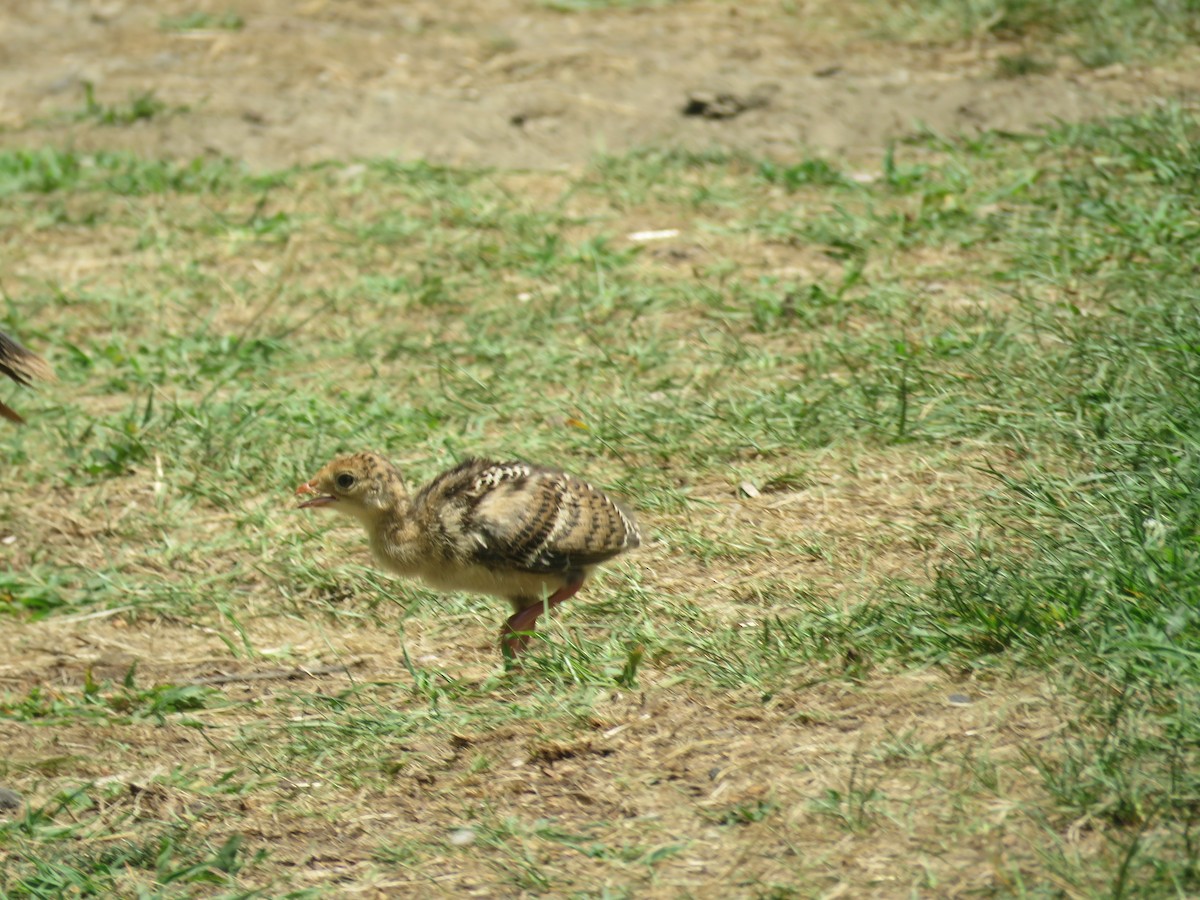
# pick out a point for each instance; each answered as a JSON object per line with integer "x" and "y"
{"x": 106, "y": 702}
{"x": 202, "y": 21}
{"x": 140, "y": 107}
{"x": 63, "y": 848}
{"x": 1020, "y": 65}
{"x": 583, "y": 6}
{"x": 809, "y": 172}
{"x": 1097, "y": 34}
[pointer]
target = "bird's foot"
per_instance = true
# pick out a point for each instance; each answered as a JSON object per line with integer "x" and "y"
{"x": 518, "y": 630}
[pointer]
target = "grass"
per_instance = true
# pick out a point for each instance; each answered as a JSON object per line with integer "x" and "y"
{"x": 962, "y": 391}
{"x": 1095, "y": 34}
{"x": 586, "y": 6}
{"x": 198, "y": 20}
{"x": 143, "y": 106}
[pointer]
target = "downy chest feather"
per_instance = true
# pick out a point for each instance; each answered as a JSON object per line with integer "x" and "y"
{"x": 391, "y": 549}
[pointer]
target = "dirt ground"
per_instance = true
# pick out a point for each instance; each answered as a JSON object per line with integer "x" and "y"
{"x": 512, "y": 83}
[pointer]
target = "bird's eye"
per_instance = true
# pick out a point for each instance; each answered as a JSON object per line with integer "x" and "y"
{"x": 345, "y": 481}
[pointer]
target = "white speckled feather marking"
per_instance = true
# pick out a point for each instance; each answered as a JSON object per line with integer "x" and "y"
{"x": 633, "y": 536}
{"x": 497, "y": 475}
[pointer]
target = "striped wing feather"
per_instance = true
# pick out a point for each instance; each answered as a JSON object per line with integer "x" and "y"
{"x": 19, "y": 364}
{"x": 22, "y": 366}
{"x": 526, "y": 518}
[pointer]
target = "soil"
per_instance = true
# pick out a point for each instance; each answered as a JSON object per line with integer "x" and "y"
{"x": 510, "y": 83}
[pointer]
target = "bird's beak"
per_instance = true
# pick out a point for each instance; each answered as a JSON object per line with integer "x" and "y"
{"x": 320, "y": 500}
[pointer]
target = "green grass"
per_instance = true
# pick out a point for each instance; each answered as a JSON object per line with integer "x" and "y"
{"x": 227, "y": 20}
{"x": 965, "y": 390}
{"x": 1095, "y": 33}
{"x": 141, "y": 106}
{"x": 585, "y": 6}
{"x": 49, "y": 852}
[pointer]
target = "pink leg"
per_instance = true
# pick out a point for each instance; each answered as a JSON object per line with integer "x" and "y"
{"x": 515, "y": 634}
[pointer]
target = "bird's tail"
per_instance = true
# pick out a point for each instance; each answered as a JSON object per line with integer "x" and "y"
{"x": 22, "y": 366}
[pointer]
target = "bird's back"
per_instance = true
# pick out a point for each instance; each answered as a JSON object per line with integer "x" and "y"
{"x": 521, "y": 517}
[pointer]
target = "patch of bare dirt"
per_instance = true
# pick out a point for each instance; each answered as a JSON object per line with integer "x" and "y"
{"x": 510, "y": 83}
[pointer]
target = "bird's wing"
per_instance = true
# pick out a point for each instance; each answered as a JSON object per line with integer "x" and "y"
{"x": 21, "y": 365}
{"x": 539, "y": 520}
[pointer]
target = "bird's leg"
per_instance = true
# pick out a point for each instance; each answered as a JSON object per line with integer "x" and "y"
{"x": 515, "y": 634}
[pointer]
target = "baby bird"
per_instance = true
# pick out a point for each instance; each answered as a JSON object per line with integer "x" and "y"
{"x": 512, "y": 529}
{"x": 22, "y": 366}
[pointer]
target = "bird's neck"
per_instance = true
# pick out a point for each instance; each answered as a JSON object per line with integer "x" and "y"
{"x": 394, "y": 535}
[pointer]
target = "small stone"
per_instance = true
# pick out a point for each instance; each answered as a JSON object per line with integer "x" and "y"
{"x": 352, "y": 172}
{"x": 9, "y": 800}
{"x": 748, "y": 489}
{"x": 655, "y": 234}
{"x": 960, "y": 700}
{"x": 725, "y": 104}
{"x": 462, "y": 837}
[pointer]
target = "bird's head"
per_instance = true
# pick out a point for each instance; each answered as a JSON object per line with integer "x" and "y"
{"x": 364, "y": 485}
